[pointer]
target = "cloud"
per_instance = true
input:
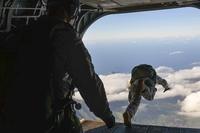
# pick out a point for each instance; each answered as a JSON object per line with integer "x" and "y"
{"x": 116, "y": 86}
{"x": 183, "y": 82}
{"x": 176, "y": 52}
{"x": 164, "y": 69}
{"x": 191, "y": 105}
{"x": 115, "y": 83}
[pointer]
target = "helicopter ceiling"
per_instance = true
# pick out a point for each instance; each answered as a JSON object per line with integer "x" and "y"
{"x": 134, "y": 5}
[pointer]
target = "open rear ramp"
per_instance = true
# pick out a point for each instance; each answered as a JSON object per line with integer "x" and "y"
{"x": 99, "y": 127}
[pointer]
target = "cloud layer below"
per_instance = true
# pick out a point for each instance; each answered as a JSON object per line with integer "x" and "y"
{"x": 178, "y": 107}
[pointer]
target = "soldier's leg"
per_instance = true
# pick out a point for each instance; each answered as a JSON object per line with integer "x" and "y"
{"x": 130, "y": 95}
{"x": 134, "y": 101}
{"x": 131, "y": 110}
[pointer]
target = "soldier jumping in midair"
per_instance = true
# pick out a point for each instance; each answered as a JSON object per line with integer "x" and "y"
{"x": 142, "y": 83}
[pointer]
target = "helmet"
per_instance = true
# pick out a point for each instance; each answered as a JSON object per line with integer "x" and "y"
{"x": 72, "y": 6}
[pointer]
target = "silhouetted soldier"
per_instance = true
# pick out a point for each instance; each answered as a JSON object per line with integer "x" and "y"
{"x": 49, "y": 65}
{"x": 142, "y": 83}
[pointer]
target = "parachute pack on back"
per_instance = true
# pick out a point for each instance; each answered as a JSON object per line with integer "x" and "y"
{"x": 143, "y": 71}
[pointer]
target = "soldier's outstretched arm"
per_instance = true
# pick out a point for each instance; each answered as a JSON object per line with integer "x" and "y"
{"x": 134, "y": 97}
{"x": 88, "y": 82}
{"x": 162, "y": 82}
{"x": 134, "y": 101}
{"x": 80, "y": 68}
{"x": 133, "y": 105}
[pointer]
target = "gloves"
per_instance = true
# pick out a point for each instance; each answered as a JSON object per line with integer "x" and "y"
{"x": 166, "y": 89}
{"x": 165, "y": 85}
{"x": 110, "y": 121}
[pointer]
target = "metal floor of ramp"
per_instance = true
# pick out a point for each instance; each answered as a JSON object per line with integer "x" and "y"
{"x": 99, "y": 127}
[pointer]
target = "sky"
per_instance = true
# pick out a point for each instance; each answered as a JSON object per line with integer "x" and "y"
{"x": 169, "y": 41}
{"x": 164, "y": 37}
{"x": 179, "y": 22}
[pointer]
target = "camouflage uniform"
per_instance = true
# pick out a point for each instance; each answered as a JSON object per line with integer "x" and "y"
{"x": 142, "y": 83}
